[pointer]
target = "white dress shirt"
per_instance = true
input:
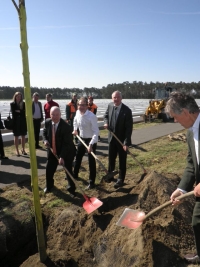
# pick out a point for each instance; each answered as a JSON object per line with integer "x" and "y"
{"x": 195, "y": 129}
{"x": 87, "y": 125}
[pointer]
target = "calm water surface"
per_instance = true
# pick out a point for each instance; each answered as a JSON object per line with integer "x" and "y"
{"x": 136, "y": 105}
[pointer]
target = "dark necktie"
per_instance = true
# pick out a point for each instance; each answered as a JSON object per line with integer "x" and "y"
{"x": 114, "y": 118}
{"x": 54, "y": 138}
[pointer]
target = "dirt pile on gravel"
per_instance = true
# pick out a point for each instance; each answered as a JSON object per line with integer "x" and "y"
{"x": 75, "y": 238}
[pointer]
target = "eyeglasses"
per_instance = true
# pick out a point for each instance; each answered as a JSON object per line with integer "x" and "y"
{"x": 82, "y": 105}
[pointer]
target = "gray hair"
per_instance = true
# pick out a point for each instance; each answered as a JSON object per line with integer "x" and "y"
{"x": 179, "y": 101}
{"x": 117, "y": 92}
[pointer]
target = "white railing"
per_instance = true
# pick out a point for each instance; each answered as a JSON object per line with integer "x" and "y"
{"x": 8, "y": 135}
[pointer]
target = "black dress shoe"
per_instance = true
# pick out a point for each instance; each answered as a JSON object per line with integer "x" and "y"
{"x": 191, "y": 258}
{"x": 90, "y": 186}
{"x": 107, "y": 179}
{"x": 4, "y": 157}
{"x": 72, "y": 192}
{"x": 118, "y": 184}
{"x": 72, "y": 195}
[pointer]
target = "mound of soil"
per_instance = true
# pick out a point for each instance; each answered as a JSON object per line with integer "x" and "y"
{"x": 75, "y": 238}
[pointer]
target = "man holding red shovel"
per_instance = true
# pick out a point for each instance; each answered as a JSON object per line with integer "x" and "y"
{"x": 184, "y": 109}
{"x": 57, "y": 138}
{"x": 86, "y": 122}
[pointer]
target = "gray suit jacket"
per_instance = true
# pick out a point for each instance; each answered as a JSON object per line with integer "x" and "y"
{"x": 124, "y": 123}
{"x": 191, "y": 173}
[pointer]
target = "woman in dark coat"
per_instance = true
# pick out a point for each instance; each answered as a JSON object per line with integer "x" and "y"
{"x": 19, "y": 127}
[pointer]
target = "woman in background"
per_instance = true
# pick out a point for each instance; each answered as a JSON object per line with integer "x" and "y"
{"x": 19, "y": 126}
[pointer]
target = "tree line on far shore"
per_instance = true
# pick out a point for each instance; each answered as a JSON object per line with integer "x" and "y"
{"x": 134, "y": 90}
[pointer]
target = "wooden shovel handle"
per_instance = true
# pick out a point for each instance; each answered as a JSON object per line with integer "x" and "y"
{"x": 168, "y": 203}
{"x": 73, "y": 179}
{"x": 129, "y": 152}
{"x": 92, "y": 154}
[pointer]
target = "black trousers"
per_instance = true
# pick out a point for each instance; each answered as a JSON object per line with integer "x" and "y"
{"x": 92, "y": 162}
{"x": 2, "y": 154}
{"x": 51, "y": 167}
{"x": 114, "y": 149}
{"x": 37, "y": 125}
{"x": 196, "y": 225}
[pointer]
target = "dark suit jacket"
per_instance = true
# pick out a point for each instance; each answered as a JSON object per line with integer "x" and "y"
{"x": 191, "y": 173}
{"x": 19, "y": 118}
{"x": 124, "y": 123}
{"x": 33, "y": 109}
{"x": 64, "y": 143}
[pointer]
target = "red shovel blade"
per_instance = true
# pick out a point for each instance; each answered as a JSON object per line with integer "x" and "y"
{"x": 91, "y": 204}
{"x": 131, "y": 219}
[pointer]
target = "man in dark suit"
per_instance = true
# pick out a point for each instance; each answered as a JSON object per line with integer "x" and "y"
{"x": 37, "y": 118}
{"x": 118, "y": 118}
{"x": 64, "y": 147}
{"x": 184, "y": 109}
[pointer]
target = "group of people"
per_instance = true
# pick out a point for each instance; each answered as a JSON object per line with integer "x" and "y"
{"x": 118, "y": 119}
{"x": 81, "y": 120}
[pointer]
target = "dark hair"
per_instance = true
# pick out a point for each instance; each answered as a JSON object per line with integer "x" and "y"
{"x": 84, "y": 99}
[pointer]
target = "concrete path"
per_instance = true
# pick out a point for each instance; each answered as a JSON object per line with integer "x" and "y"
{"x": 17, "y": 169}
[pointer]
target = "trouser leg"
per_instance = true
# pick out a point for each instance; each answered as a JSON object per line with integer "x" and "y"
{"x": 79, "y": 155}
{"x": 196, "y": 226}
{"x": 68, "y": 165}
{"x": 112, "y": 155}
{"x": 1, "y": 146}
{"x": 51, "y": 167}
{"x": 122, "y": 162}
{"x": 37, "y": 124}
{"x": 92, "y": 165}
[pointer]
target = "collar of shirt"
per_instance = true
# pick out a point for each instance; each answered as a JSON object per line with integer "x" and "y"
{"x": 196, "y": 124}
{"x": 118, "y": 107}
{"x": 79, "y": 113}
{"x": 56, "y": 125}
{"x": 195, "y": 130}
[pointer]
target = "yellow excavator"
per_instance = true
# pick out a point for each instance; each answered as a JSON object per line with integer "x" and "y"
{"x": 156, "y": 108}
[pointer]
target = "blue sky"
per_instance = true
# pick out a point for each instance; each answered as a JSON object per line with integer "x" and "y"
{"x": 93, "y": 43}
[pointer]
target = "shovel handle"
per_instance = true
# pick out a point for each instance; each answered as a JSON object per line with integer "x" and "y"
{"x": 70, "y": 175}
{"x": 128, "y": 151}
{"x": 168, "y": 203}
{"x": 80, "y": 139}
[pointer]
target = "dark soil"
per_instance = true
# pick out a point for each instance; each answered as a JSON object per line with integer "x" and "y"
{"x": 75, "y": 238}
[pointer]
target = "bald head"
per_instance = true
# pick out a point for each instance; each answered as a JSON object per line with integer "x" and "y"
{"x": 55, "y": 114}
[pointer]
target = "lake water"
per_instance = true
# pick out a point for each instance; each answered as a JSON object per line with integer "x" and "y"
{"x": 136, "y": 105}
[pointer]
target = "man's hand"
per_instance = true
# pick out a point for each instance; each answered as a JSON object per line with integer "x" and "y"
{"x": 197, "y": 190}
{"x": 105, "y": 126}
{"x": 174, "y": 195}
{"x": 61, "y": 161}
{"x": 125, "y": 148}
{"x": 89, "y": 149}
{"x": 46, "y": 143}
{"x": 75, "y": 132}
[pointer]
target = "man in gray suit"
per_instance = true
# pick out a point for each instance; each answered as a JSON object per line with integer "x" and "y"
{"x": 184, "y": 109}
{"x": 118, "y": 118}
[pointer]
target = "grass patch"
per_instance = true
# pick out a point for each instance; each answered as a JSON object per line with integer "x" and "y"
{"x": 57, "y": 203}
